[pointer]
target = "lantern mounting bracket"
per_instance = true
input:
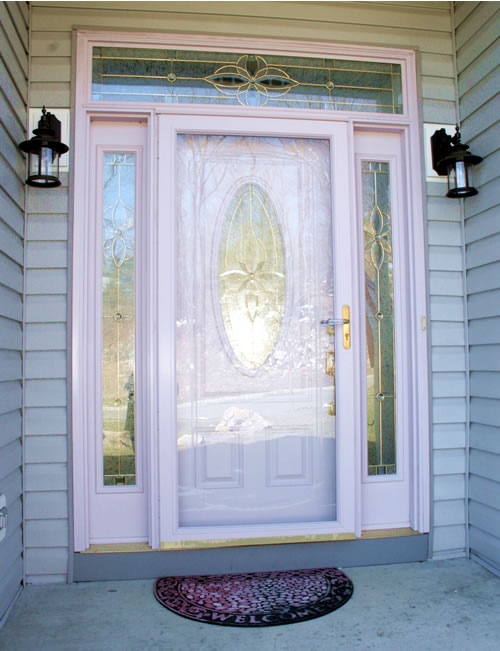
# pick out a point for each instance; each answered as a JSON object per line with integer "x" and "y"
{"x": 441, "y": 145}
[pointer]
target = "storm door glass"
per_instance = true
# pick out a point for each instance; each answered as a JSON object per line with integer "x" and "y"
{"x": 255, "y": 425}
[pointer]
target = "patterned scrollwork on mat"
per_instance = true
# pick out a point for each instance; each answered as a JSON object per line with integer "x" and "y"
{"x": 255, "y": 599}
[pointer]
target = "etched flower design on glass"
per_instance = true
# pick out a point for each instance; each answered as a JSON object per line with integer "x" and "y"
{"x": 251, "y": 80}
{"x": 118, "y": 215}
{"x": 251, "y": 275}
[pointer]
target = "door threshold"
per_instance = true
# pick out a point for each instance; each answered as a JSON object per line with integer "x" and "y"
{"x": 388, "y": 533}
{"x": 370, "y": 534}
{"x": 130, "y": 560}
{"x": 117, "y": 548}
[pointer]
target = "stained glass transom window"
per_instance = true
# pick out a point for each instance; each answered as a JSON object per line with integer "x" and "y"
{"x": 178, "y": 76}
{"x": 118, "y": 319}
{"x": 379, "y": 301}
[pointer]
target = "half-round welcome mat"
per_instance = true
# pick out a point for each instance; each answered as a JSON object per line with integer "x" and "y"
{"x": 255, "y": 599}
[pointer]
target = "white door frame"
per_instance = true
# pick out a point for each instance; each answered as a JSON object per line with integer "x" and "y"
{"x": 84, "y": 343}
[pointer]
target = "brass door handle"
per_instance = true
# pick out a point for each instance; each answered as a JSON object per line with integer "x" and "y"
{"x": 345, "y": 322}
{"x": 346, "y": 314}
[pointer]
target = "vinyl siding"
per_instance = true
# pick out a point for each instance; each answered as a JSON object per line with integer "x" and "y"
{"x": 46, "y": 433}
{"x": 478, "y": 50}
{"x": 448, "y": 388}
{"x": 425, "y": 26}
{"x": 13, "y": 103}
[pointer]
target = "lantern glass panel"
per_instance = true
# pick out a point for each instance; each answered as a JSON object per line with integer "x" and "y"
{"x": 34, "y": 163}
{"x": 44, "y": 167}
{"x": 461, "y": 174}
{"x": 55, "y": 165}
{"x": 452, "y": 177}
{"x": 46, "y": 157}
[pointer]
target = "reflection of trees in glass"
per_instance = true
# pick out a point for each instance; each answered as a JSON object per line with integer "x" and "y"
{"x": 379, "y": 317}
{"x": 294, "y": 173}
{"x": 118, "y": 308}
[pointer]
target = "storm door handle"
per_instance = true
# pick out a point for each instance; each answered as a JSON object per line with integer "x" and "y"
{"x": 345, "y": 322}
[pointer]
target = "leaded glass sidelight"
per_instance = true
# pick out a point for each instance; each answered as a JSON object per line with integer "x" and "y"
{"x": 118, "y": 319}
{"x": 179, "y": 76}
{"x": 251, "y": 275}
{"x": 379, "y": 295}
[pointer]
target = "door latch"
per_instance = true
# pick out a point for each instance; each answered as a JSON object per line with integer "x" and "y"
{"x": 330, "y": 363}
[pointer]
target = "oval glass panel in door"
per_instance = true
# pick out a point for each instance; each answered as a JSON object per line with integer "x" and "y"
{"x": 251, "y": 275}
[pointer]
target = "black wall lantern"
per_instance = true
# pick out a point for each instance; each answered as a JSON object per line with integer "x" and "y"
{"x": 450, "y": 156}
{"x": 44, "y": 150}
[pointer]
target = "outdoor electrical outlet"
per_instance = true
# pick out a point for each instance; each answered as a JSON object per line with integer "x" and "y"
{"x": 3, "y": 517}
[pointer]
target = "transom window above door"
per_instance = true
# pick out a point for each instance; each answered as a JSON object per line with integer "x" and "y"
{"x": 121, "y": 74}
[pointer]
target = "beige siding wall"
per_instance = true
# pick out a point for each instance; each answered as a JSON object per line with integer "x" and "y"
{"x": 13, "y": 103}
{"x": 478, "y": 63}
{"x": 425, "y": 26}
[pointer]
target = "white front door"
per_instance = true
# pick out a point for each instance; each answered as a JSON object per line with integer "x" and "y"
{"x": 256, "y": 391}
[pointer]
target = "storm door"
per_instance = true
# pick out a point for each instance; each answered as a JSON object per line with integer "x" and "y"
{"x": 256, "y": 435}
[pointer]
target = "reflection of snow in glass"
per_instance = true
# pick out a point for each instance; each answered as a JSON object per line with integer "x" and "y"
{"x": 241, "y": 420}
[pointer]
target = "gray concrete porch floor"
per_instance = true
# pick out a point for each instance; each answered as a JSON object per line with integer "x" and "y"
{"x": 445, "y": 605}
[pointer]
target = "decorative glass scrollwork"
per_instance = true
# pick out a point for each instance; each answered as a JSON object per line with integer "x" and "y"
{"x": 251, "y": 275}
{"x": 379, "y": 292}
{"x": 118, "y": 319}
{"x": 252, "y": 80}
{"x": 118, "y": 215}
{"x": 183, "y": 76}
